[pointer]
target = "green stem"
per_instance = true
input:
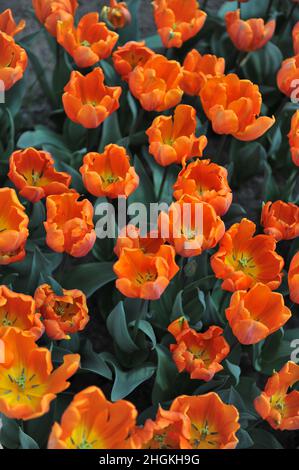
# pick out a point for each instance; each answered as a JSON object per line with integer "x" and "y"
{"x": 204, "y": 5}
{"x": 163, "y": 183}
{"x": 269, "y": 9}
{"x": 221, "y": 146}
{"x": 137, "y": 122}
{"x": 139, "y": 318}
{"x": 288, "y": 19}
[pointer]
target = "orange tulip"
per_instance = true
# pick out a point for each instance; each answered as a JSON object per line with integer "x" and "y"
{"x": 127, "y": 57}
{"x": 293, "y": 278}
{"x": 295, "y": 34}
{"x": 294, "y": 138}
{"x": 206, "y": 182}
{"x": 69, "y": 224}
{"x": 13, "y": 61}
{"x": 197, "y": 69}
{"x": 18, "y": 311}
{"x": 178, "y": 20}
{"x": 109, "y": 173}
{"x": 173, "y": 140}
{"x": 243, "y": 260}
{"x": 117, "y": 14}
{"x": 90, "y": 42}
{"x": 256, "y": 314}
{"x": 281, "y": 220}
{"x": 233, "y": 106}
{"x": 288, "y": 76}
{"x": 275, "y": 404}
{"x": 199, "y": 354}
{"x": 62, "y": 314}
{"x": 213, "y": 424}
{"x": 93, "y": 422}
{"x": 130, "y": 237}
{"x": 156, "y": 84}
{"x": 191, "y": 226}
{"x": 145, "y": 276}
{"x": 28, "y": 383}
{"x": 13, "y": 227}
{"x": 8, "y": 24}
{"x": 49, "y": 12}
{"x": 87, "y": 100}
{"x": 32, "y": 172}
{"x": 248, "y": 35}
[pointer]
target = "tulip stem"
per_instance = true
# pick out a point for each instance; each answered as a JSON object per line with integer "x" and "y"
{"x": 269, "y": 8}
{"x": 89, "y": 135}
{"x": 221, "y": 147}
{"x": 165, "y": 172}
{"x": 204, "y": 5}
{"x": 288, "y": 19}
{"x": 139, "y": 318}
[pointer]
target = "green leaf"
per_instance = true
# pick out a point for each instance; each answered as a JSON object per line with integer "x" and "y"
{"x": 93, "y": 362}
{"x": 90, "y": 277}
{"x": 118, "y": 328}
{"x": 245, "y": 440}
{"x": 234, "y": 370}
{"x": 166, "y": 375}
{"x": 111, "y": 133}
{"x": 26, "y": 442}
{"x": 41, "y": 136}
{"x": 145, "y": 190}
{"x": 264, "y": 440}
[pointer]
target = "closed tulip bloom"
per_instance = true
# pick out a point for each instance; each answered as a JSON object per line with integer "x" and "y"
{"x": 62, "y": 314}
{"x": 8, "y": 24}
{"x": 13, "y": 61}
{"x": 233, "y": 106}
{"x": 130, "y": 237}
{"x": 295, "y": 35}
{"x": 248, "y": 35}
{"x": 191, "y": 226}
{"x": 281, "y": 220}
{"x": 87, "y": 100}
{"x": 294, "y": 138}
{"x": 213, "y": 424}
{"x": 69, "y": 224}
{"x": 109, "y": 173}
{"x": 199, "y": 354}
{"x": 178, "y": 20}
{"x": 293, "y": 279}
{"x": 28, "y": 383}
{"x": 277, "y": 404}
{"x": 145, "y": 276}
{"x": 197, "y": 69}
{"x": 243, "y": 259}
{"x": 256, "y": 314}
{"x": 173, "y": 140}
{"x": 19, "y": 311}
{"x": 87, "y": 43}
{"x": 49, "y": 12}
{"x": 156, "y": 84}
{"x": 127, "y": 57}
{"x": 93, "y": 422}
{"x": 207, "y": 182}
{"x": 288, "y": 76}
{"x": 13, "y": 227}
{"x": 32, "y": 172}
{"x": 117, "y": 14}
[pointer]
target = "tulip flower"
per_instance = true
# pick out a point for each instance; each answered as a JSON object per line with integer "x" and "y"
{"x": 173, "y": 140}
{"x": 248, "y": 35}
{"x": 130, "y": 237}
{"x": 233, "y": 106}
{"x": 178, "y": 20}
{"x": 288, "y": 76}
{"x": 156, "y": 84}
{"x": 207, "y": 182}
{"x": 13, "y": 61}
{"x": 117, "y": 14}
{"x": 199, "y": 354}
{"x": 127, "y": 57}
{"x": 293, "y": 279}
{"x": 197, "y": 69}
{"x": 69, "y": 224}
{"x": 8, "y": 24}
{"x": 19, "y": 311}
{"x": 109, "y": 173}
{"x": 14, "y": 227}
{"x": 294, "y": 138}
{"x": 276, "y": 404}
{"x": 62, "y": 314}
{"x": 49, "y": 12}
{"x": 144, "y": 276}
{"x": 32, "y": 172}
{"x": 28, "y": 383}
{"x": 191, "y": 226}
{"x": 256, "y": 314}
{"x": 87, "y": 100}
{"x": 243, "y": 259}
{"x": 281, "y": 220}
{"x": 93, "y": 422}
{"x": 89, "y": 42}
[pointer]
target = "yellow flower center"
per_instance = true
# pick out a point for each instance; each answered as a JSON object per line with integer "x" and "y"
{"x": 142, "y": 278}
{"x": 242, "y": 262}
{"x": 109, "y": 178}
{"x": 21, "y": 386}
{"x": 204, "y": 436}
{"x": 85, "y": 43}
